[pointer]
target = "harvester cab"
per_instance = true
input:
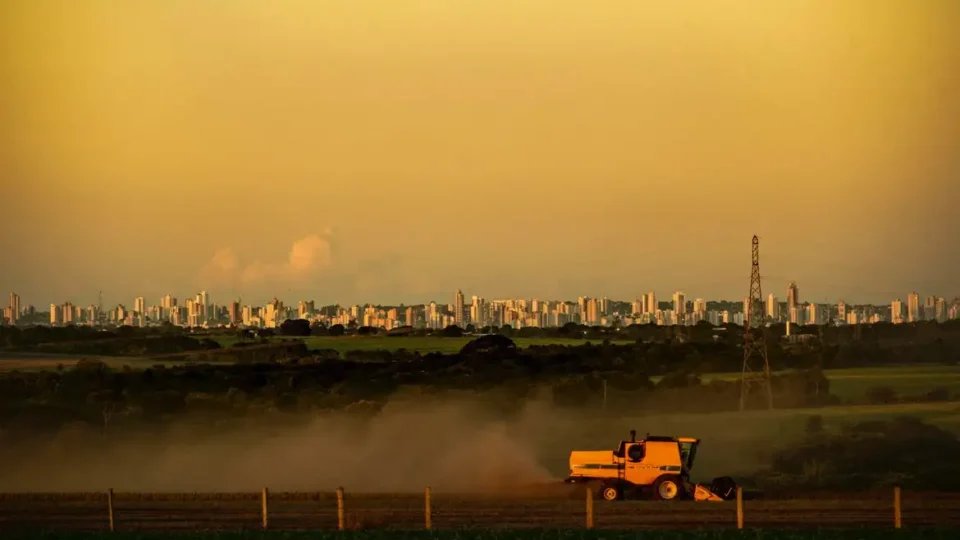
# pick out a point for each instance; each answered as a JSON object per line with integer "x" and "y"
{"x": 656, "y": 466}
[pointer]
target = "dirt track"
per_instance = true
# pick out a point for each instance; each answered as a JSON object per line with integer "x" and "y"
{"x": 290, "y": 511}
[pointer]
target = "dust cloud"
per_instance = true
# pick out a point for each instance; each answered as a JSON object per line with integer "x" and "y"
{"x": 453, "y": 445}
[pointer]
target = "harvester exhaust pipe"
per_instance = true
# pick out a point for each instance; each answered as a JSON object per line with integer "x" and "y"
{"x": 633, "y": 435}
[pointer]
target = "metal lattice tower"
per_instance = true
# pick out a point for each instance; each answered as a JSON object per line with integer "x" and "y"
{"x": 754, "y": 342}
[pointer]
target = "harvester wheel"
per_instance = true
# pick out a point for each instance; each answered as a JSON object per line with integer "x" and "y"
{"x": 610, "y": 493}
{"x": 667, "y": 488}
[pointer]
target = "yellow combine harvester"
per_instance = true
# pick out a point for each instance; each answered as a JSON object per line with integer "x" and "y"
{"x": 655, "y": 466}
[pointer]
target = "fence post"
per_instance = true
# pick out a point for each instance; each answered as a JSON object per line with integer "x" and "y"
{"x": 589, "y": 508}
{"x": 341, "y": 520}
{"x": 897, "y": 522}
{"x": 264, "y": 511}
{"x": 427, "y": 511}
{"x": 110, "y": 508}
{"x": 739, "y": 507}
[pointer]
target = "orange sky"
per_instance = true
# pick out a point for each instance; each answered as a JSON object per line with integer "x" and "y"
{"x": 352, "y": 151}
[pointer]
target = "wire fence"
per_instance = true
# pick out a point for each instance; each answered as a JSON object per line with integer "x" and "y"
{"x": 428, "y": 510}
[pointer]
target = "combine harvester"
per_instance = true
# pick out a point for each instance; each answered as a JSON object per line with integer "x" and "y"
{"x": 657, "y": 467}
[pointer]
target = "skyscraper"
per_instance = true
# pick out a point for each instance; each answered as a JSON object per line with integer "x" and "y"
{"x": 650, "y": 304}
{"x": 773, "y": 308}
{"x": 14, "y": 308}
{"x": 204, "y": 308}
{"x": 941, "y": 310}
{"x": 929, "y": 312}
{"x": 458, "y": 309}
{"x": 913, "y": 307}
{"x": 234, "y": 313}
{"x": 680, "y": 303}
{"x": 793, "y": 296}
{"x": 896, "y": 311}
{"x": 478, "y": 312}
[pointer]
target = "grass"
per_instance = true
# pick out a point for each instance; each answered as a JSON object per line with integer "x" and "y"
{"x": 848, "y": 384}
{"x": 851, "y": 384}
{"x": 507, "y": 534}
{"x": 40, "y": 363}
{"x": 423, "y": 344}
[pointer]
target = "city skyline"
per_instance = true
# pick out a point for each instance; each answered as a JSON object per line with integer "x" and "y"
{"x": 201, "y": 310}
{"x": 689, "y": 299}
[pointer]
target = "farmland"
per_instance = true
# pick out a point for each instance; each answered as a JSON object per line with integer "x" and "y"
{"x": 292, "y": 406}
{"x": 849, "y": 384}
{"x": 318, "y": 511}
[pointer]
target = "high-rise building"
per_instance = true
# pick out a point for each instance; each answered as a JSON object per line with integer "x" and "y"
{"x": 234, "y": 313}
{"x": 54, "y": 314}
{"x": 139, "y": 306}
{"x": 458, "y": 309}
{"x": 593, "y": 311}
{"x": 66, "y": 314}
{"x": 650, "y": 306}
{"x": 940, "y": 310}
{"x": 478, "y": 312}
{"x": 305, "y": 309}
{"x": 272, "y": 314}
{"x": 203, "y": 308}
{"x": 773, "y": 308}
{"x": 816, "y": 314}
{"x": 842, "y": 310}
{"x": 929, "y": 312}
{"x": 679, "y": 303}
{"x": 14, "y": 306}
{"x": 432, "y": 315}
{"x": 793, "y": 296}
{"x": 896, "y": 311}
{"x": 913, "y": 307}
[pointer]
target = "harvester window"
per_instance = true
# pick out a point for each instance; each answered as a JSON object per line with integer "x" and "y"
{"x": 635, "y": 452}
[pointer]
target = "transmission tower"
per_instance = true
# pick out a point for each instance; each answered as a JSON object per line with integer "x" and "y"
{"x": 754, "y": 342}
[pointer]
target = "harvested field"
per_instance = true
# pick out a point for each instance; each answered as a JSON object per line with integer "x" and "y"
{"x": 318, "y": 511}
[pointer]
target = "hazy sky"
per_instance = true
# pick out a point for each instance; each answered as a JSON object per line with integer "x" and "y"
{"x": 351, "y": 151}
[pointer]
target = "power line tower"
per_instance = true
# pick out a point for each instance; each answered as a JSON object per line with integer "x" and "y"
{"x": 754, "y": 342}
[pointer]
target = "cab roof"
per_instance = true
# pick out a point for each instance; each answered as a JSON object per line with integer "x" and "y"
{"x": 665, "y": 438}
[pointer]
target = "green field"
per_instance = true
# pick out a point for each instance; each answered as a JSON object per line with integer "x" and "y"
{"x": 907, "y": 381}
{"x": 507, "y": 534}
{"x": 848, "y": 384}
{"x": 15, "y": 362}
{"x": 423, "y": 344}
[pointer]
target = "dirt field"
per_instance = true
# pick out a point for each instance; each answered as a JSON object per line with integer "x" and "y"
{"x": 298, "y": 511}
